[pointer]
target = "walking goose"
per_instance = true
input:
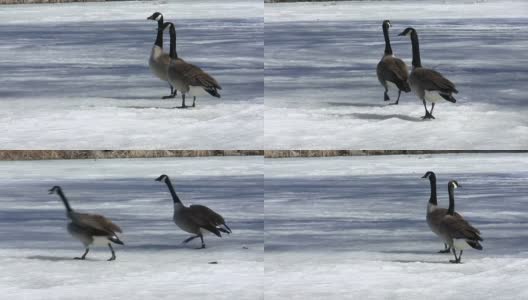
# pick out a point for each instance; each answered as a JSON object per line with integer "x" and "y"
{"x": 159, "y": 61}
{"x": 434, "y": 213}
{"x": 455, "y": 231}
{"x": 188, "y": 78}
{"x": 427, "y": 84}
{"x": 195, "y": 219}
{"x": 392, "y": 71}
{"x": 89, "y": 228}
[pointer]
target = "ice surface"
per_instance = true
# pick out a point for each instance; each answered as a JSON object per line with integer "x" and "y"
{"x": 322, "y": 91}
{"x": 76, "y": 76}
{"x": 354, "y": 228}
{"x": 36, "y": 251}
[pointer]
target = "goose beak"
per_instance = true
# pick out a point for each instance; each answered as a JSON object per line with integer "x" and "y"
{"x": 401, "y": 34}
{"x": 157, "y": 179}
{"x": 50, "y": 191}
{"x": 424, "y": 176}
{"x": 150, "y": 18}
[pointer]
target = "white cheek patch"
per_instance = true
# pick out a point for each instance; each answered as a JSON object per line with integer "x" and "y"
{"x": 455, "y": 185}
{"x": 158, "y": 18}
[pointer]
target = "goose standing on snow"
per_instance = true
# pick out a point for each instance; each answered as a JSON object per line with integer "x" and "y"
{"x": 195, "y": 219}
{"x": 392, "y": 71}
{"x": 456, "y": 231}
{"x": 434, "y": 213}
{"x": 188, "y": 78}
{"x": 427, "y": 84}
{"x": 159, "y": 61}
{"x": 88, "y": 228}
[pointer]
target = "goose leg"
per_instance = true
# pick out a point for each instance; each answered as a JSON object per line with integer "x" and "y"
{"x": 203, "y": 244}
{"x": 194, "y": 101}
{"x": 432, "y": 107}
{"x": 385, "y": 95}
{"x": 189, "y": 239}
{"x": 183, "y": 101}
{"x": 113, "y": 253}
{"x": 427, "y": 113}
{"x": 397, "y": 100}
{"x": 173, "y": 93}
{"x": 446, "y": 249}
{"x": 460, "y": 257}
{"x": 84, "y": 255}
{"x": 457, "y": 260}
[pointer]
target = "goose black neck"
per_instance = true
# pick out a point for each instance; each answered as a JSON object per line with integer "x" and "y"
{"x": 451, "y": 209}
{"x": 388, "y": 49}
{"x": 64, "y": 200}
{"x": 159, "y": 37}
{"x": 175, "y": 197}
{"x": 416, "y": 62}
{"x": 432, "y": 199}
{"x": 173, "y": 54}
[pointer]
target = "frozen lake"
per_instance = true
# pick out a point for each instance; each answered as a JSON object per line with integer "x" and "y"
{"x": 354, "y": 228}
{"x": 76, "y": 76}
{"x": 36, "y": 251}
{"x": 322, "y": 91}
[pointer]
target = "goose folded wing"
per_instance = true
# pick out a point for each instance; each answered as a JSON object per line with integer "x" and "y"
{"x": 431, "y": 80}
{"x": 197, "y": 77}
{"x": 460, "y": 229}
{"x": 206, "y": 218}
{"x": 398, "y": 68}
{"x": 98, "y": 222}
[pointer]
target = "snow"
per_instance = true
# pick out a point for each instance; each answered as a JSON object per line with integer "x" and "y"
{"x": 322, "y": 91}
{"x": 76, "y": 76}
{"x": 36, "y": 251}
{"x": 354, "y": 227}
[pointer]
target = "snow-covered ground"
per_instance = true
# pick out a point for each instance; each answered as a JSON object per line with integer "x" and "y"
{"x": 36, "y": 251}
{"x": 76, "y": 76}
{"x": 322, "y": 91}
{"x": 354, "y": 228}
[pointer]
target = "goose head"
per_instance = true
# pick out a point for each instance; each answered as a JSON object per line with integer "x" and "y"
{"x": 430, "y": 175}
{"x": 408, "y": 31}
{"x": 453, "y": 184}
{"x": 163, "y": 178}
{"x": 54, "y": 189}
{"x": 386, "y": 24}
{"x": 155, "y": 16}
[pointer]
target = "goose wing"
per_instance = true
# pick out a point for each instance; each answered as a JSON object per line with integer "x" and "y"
{"x": 197, "y": 77}
{"x": 459, "y": 228}
{"x": 97, "y": 222}
{"x": 394, "y": 70}
{"x": 439, "y": 213}
{"x": 431, "y": 80}
{"x": 208, "y": 219}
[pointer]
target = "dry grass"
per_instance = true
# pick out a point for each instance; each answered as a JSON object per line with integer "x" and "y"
{"x": 327, "y": 153}
{"x": 103, "y": 154}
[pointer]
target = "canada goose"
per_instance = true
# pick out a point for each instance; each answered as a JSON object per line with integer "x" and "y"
{"x": 89, "y": 228}
{"x": 392, "y": 71}
{"x": 159, "y": 61}
{"x": 427, "y": 84}
{"x": 434, "y": 213}
{"x": 455, "y": 231}
{"x": 195, "y": 218}
{"x": 188, "y": 78}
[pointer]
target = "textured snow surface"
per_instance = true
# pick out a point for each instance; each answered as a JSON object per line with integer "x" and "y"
{"x": 36, "y": 251}
{"x": 76, "y": 76}
{"x": 354, "y": 228}
{"x": 322, "y": 91}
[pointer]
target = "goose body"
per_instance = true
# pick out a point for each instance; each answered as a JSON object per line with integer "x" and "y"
{"x": 195, "y": 219}
{"x": 455, "y": 231}
{"x": 188, "y": 78}
{"x": 428, "y": 85}
{"x": 434, "y": 214}
{"x": 392, "y": 72}
{"x": 89, "y": 229}
{"x": 159, "y": 60}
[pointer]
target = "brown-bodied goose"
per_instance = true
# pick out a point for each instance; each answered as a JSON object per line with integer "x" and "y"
{"x": 455, "y": 231}
{"x": 159, "y": 61}
{"x": 89, "y": 228}
{"x": 195, "y": 219}
{"x": 434, "y": 213}
{"x": 392, "y": 71}
{"x": 427, "y": 84}
{"x": 188, "y": 78}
